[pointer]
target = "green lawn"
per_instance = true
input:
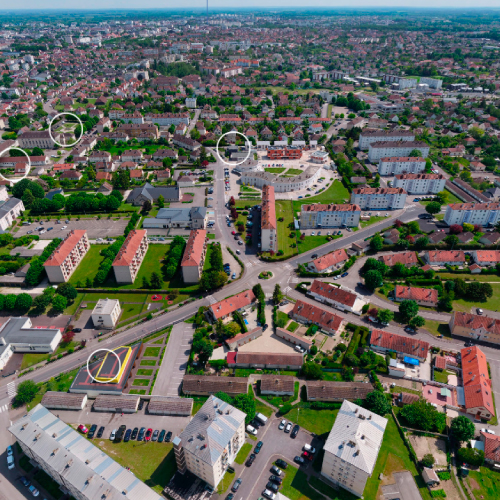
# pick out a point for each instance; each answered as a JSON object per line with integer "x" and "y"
{"x": 129, "y": 310}
{"x": 60, "y": 384}
{"x": 311, "y": 242}
{"x": 470, "y": 277}
{"x": 153, "y": 462}
{"x": 145, "y": 372}
{"x": 89, "y": 265}
{"x": 152, "y": 351}
{"x": 486, "y": 481}
{"x": 207, "y": 266}
{"x": 271, "y": 170}
{"x": 393, "y": 457}
{"x": 372, "y": 220}
{"x": 137, "y": 391}
{"x": 227, "y": 480}
{"x": 441, "y": 376}
{"x": 71, "y": 309}
{"x": 493, "y": 303}
{"x": 33, "y": 359}
{"x": 148, "y": 362}
{"x": 243, "y": 453}
{"x": 336, "y": 193}
{"x": 247, "y": 203}
{"x": 292, "y": 326}
{"x": 284, "y": 209}
{"x": 294, "y": 171}
{"x": 141, "y": 382}
{"x": 437, "y": 328}
{"x": 317, "y": 421}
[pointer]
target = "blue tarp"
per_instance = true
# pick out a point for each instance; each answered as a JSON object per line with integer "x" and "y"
{"x": 411, "y": 361}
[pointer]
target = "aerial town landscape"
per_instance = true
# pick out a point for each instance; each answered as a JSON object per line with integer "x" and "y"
{"x": 249, "y": 254}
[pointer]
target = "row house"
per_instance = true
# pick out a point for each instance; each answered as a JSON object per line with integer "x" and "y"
{"x": 329, "y": 262}
{"x": 224, "y": 308}
{"x": 441, "y": 258}
{"x": 475, "y": 327}
{"x": 135, "y": 117}
{"x": 383, "y": 341}
{"x": 139, "y": 130}
{"x": 408, "y": 259}
{"x": 422, "y": 296}
{"x": 483, "y": 214}
{"x": 368, "y": 137}
{"x": 379, "y": 198}
{"x": 420, "y": 183}
{"x": 477, "y": 195}
{"x": 309, "y": 314}
{"x": 185, "y": 142}
{"x": 167, "y": 119}
{"x": 334, "y": 296}
{"x": 486, "y": 258}
{"x": 194, "y": 256}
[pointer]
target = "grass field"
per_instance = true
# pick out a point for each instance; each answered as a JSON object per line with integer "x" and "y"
{"x": 141, "y": 382}
{"x": 437, "y": 328}
{"x": 137, "y": 391}
{"x": 153, "y": 463}
{"x": 284, "y": 209}
{"x": 336, "y": 193}
{"x": 393, "y": 457}
{"x": 272, "y": 170}
{"x": 227, "y": 480}
{"x": 311, "y": 242}
{"x": 250, "y": 203}
{"x": 484, "y": 483}
{"x": 243, "y": 453}
{"x": 442, "y": 376}
{"x": 89, "y": 265}
{"x": 32, "y": 359}
{"x": 372, "y": 220}
{"x": 148, "y": 362}
{"x": 470, "y": 277}
{"x": 292, "y": 326}
{"x": 144, "y": 372}
{"x": 294, "y": 171}
{"x": 493, "y": 303}
{"x": 317, "y": 421}
{"x": 152, "y": 351}
{"x": 61, "y": 384}
{"x": 129, "y": 310}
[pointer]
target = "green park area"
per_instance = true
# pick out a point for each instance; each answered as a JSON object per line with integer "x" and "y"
{"x": 336, "y": 193}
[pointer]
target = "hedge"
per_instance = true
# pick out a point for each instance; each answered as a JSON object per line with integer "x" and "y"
{"x": 261, "y": 315}
{"x": 376, "y": 382}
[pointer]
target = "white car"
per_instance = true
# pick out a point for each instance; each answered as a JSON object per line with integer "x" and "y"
{"x": 288, "y": 427}
{"x": 113, "y": 434}
{"x": 10, "y": 452}
{"x": 34, "y": 491}
{"x": 64, "y": 227}
{"x": 282, "y": 425}
{"x": 251, "y": 430}
{"x": 488, "y": 431}
{"x": 43, "y": 232}
{"x": 309, "y": 448}
{"x": 269, "y": 494}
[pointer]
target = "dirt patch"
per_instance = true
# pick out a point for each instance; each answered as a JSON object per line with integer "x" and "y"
{"x": 450, "y": 490}
{"x": 436, "y": 447}
{"x": 474, "y": 485}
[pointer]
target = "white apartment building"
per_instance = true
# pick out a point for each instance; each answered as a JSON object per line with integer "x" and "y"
{"x": 129, "y": 259}
{"x": 194, "y": 256}
{"x": 352, "y": 447}
{"x": 378, "y": 150}
{"x": 379, "y": 198}
{"x": 401, "y": 165}
{"x": 167, "y": 119}
{"x": 324, "y": 216}
{"x": 268, "y": 225}
{"x": 210, "y": 442}
{"x": 370, "y": 136}
{"x": 10, "y": 209}
{"x": 66, "y": 257}
{"x": 483, "y": 214}
{"x": 420, "y": 183}
{"x": 106, "y": 313}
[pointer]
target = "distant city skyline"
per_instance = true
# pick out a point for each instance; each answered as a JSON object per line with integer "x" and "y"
{"x": 258, "y": 4}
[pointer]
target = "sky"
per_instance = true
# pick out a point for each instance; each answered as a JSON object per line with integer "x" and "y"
{"x": 286, "y": 4}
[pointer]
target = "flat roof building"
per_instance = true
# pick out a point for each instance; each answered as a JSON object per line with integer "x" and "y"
{"x": 106, "y": 313}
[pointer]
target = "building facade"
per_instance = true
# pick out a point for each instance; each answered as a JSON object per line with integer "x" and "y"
{"x": 325, "y": 216}
{"x": 40, "y": 139}
{"x": 67, "y": 256}
{"x": 194, "y": 256}
{"x": 260, "y": 179}
{"x": 106, "y": 313}
{"x": 378, "y": 150}
{"x": 379, "y": 198}
{"x": 369, "y": 136}
{"x": 129, "y": 259}
{"x": 420, "y": 183}
{"x": 268, "y": 225}
{"x": 483, "y": 214}
{"x": 10, "y": 209}
{"x": 403, "y": 165}
{"x": 475, "y": 327}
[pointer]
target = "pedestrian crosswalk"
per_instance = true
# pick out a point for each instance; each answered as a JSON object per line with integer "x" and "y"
{"x": 11, "y": 389}
{"x": 4, "y": 408}
{"x": 211, "y": 299}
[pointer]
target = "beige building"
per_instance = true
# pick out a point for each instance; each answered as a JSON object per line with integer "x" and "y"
{"x": 323, "y": 216}
{"x": 37, "y": 139}
{"x": 106, "y": 313}
{"x": 66, "y": 257}
{"x": 194, "y": 256}
{"x": 269, "y": 238}
{"x": 210, "y": 442}
{"x": 352, "y": 447}
{"x": 475, "y": 327}
{"x": 129, "y": 259}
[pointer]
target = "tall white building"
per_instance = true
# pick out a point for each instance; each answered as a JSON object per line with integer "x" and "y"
{"x": 210, "y": 442}
{"x": 331, "y": 215}
{"x": 129, "y": 259}
{"x": 268, "y": 226}
{"x": 420, "y": 183}
{"x": 472, "y": 213}
{"x": 379, "y": 198}
{"x": 106, "y": 313}
{"x": 352, "y": 447}
{"x": 401, "y": 165}
{"x": 382, "y": 149}
{"x": 369, "y": 136}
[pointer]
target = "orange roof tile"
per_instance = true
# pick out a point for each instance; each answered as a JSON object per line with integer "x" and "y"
{"x": 418, "y": 294}
{"x": 268, "y": 212}
{"x": 231, "y": 304}
{"x": 399, "y": 343}
{"x": 65, "y": 247}
{"x": 194, "y": 248}
{"x": 129, "y": 248}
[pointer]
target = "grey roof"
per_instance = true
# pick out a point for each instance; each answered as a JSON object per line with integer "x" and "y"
{"x": 7, "y": 206}
{"x": 356, "y": 436}
{"x": 53, "y": 192}
{"x": 212, "y": 429}
{"x": 19, "y": 331}
{"x": 170, "y": 405}
{"x": 180, "y": 214}
{"x": 152, "y": 193}
{"x": 88, "y": 469}
{"x": 63, "y": 400}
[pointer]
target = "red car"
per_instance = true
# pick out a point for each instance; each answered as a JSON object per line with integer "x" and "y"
{"x": 308, "y": 455}
{"x": 83, "y": 429}
{"x": 147, "y": 437}
{"x": 233, "y": 232}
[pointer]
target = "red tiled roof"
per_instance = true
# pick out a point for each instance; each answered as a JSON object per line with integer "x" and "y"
{"x": 65, "y": 247}
{"x": 333, "y": 293}
{"x": 129, "y": 248}
{"x": 231, "y": 304}
{"x": 399, "y": 343}
{"x": 194, "y": 248}
{"x": 319, "y": 207}
{"x": 491, "y": 447}
{"x": 475, "y": 322}
{"x": 440, "y": 256}
{"x": 440, "y": 362}
{"x": 487, "y": 256}
{"x": 330, "y": 259}
{"x": 325, "y": 319}
{"x": 405, "y": 258}
{"x": 269, "y": 358}
{"x": 476, "y": 381}
{"x": 418, "y": 294}
{"x": 268, "y": 211}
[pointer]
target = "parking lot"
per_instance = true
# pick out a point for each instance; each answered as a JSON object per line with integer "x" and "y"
{"x": 96, "y": 228}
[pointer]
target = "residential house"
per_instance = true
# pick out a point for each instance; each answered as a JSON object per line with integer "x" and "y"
{"x": 427, "y": 297}
{"x": 336, "y": 297}
{"x": 404, "y": 346}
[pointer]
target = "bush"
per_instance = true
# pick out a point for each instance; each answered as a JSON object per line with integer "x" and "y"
{"x": 444, "y": 476}
{"x": 438, "y": 494}
{"x": 428, "y": 460}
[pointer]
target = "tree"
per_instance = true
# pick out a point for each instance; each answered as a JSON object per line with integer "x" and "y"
{"x": 462, "y": 429}
{"x": 456, "y": 229}
{"x": 377, "y": 403}
{"x": 422, "y": 415}
{"x": 415, "y": 153}
{"x": 434, "y": 207}
{"x": 417, "y": 322}
{"x": 156, "y": 280}
{"x": 277, "y": 294}
{"x": 67, "y": 290}
{"x": 68, "y": 337}
{"x": 422, "y": 242}
{"x": 314, "y": 350}
{"x": 59, "y": 303}
{"x": 258, "y": 292}
{"x": 444, "y": 197}
{"x": 428, "y": 460}
{"x": 375, "y": 264}
{"x": 23, "y": 301}
{"x": 10, "y": 302}
{"x": 408, "y": 309}
{"x": 373, "y": 279}
{"x": 385, "y": 315}
{"x": 145, "y": 282}
{"x": 232, "y": 329}
{"x": 246, "y": 404}
{"x": 26, "y": 392}
{"x": 377, "y": 243}
{"x": 468, "y": 227}
{"x": 161, "y": 201}
{"x": 28, "y": 199}
{"x": 451, "y": 240}
{"x": 147, "y": 206}
{"x": 204, "y": 349}
{"x": 312, "y": 371}
{"x": 471, "y": 456}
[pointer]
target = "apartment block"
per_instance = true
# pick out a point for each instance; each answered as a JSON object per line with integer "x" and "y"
{"x": 37, "y": 139}
{"x": 383, "y": 149}
{"x": 370, "y": 136}
{"x": 167, "y": 119}
{"x": 210, "y": 442}
{"x": 66, "y": 257}
{"x": 352, "y": 447}
{"x": 483, "y": 214}
{"x": 420, "y": 183}
{"x": 106, "y": 313}
{"x": 401, "y": 165}
{"x": 129, "y": 259}
{"x": 286, "y": 153}
{"x": 269, "y": 238}
{"x": 329, "y": 215}
{"x": 379, "y": 198}
{"x": 194, "y": 256}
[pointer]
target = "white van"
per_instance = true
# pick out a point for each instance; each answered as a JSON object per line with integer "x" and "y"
{"x": 261, "y": 418}
{"x": 251, "y": 430}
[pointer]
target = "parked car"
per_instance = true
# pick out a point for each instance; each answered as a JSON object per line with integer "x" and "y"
{"x": 309, "y": 448}
{"x": 34, "y": 491}
{"x": 236, "y": 485}
{"x": 288, "y": 427}
{"x": 100, "y": 432}
{"x": 10, "y": 462}
{"x": 258, "y": 447}
{"x": 134, "y": 433}
{"x": 276, "y": 471}
{"x": 140, "y": 437}
{"x": 26, "y": 482}
{"x": 281, "y": 463}
{"x": 276, "y": 479}
{"x": 147, "y": 437}
{"x": 272, "y": 486}
{"x": 308, "y": 455}
{"x": 161, "y": 437}
{"x": 299, "y": 460}
{"x": 10, "y": 451}
{"x": 489, "y": 431}
{"x": 251, "y": 459}
{"x": 267, "y": 493}
{"x": 113, "y": 434}
{"x": 479, "y": 311}
{"x": 156, "y": 433}
{"x": 77, "y": 330}
{"x": 169, "y": 437}
{"x": 91, "y": 433}
{"x": 83, "y": 429}
{"x": 314, "y": 256}
{"x": 128, "y": 433}
{"x": 251, "y": 430}
{"x": 282, "y": 425}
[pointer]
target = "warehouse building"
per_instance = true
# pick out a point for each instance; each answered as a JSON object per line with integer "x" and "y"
{"x": 165, "y": 405}
{"x": 64, "y": 401}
